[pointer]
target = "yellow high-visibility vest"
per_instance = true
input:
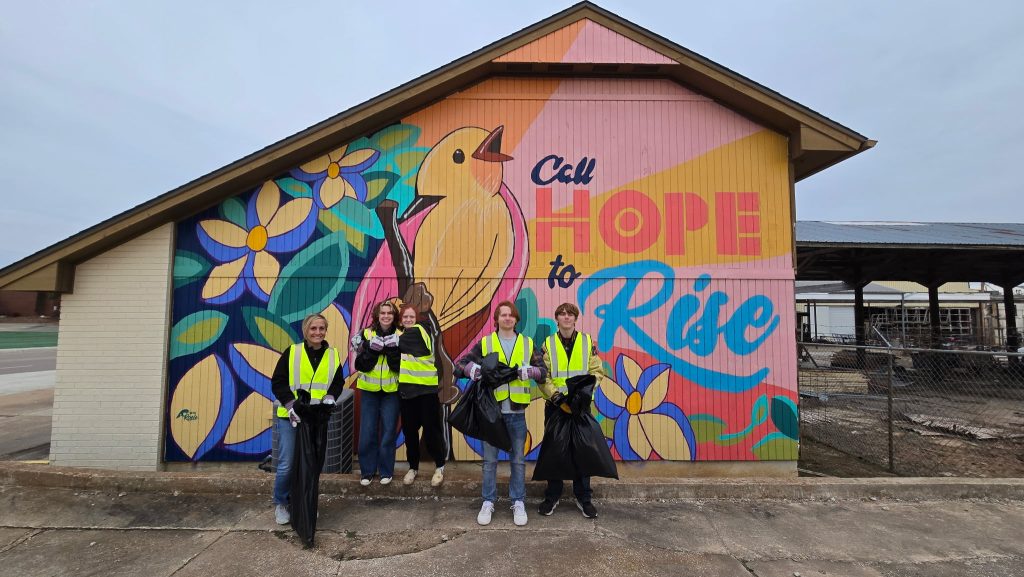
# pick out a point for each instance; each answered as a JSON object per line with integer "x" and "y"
{"x": 302, "y": 376}
{"x": 381, "y": 378}
{"x": 564, "y": 366}
{"x": 517, "y": 391}
{"x": 419, "y": 370}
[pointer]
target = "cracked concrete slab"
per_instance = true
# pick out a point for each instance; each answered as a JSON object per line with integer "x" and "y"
{"x": 10, "y": 536}
{"x": 867, "y": 531}
{"x": 105, "y": 553}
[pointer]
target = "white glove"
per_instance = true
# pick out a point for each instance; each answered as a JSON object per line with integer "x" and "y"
{"x": 473, "y": 371}
{"x": 357, "y": 339}
{"x": 527, "y": 372}
{"x": 293, "y": 418}
{"x": 327, "y": 400}
{"x": 377, "y": 343}
{"x": 391, "y": 340}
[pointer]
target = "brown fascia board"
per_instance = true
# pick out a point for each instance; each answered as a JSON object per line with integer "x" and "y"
{"x": 718, "y": 82}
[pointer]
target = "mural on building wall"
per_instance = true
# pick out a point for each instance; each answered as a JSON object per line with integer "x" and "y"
{"x": 663, "y": 215}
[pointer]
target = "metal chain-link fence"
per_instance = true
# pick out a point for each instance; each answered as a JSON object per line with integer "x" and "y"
{"x": 914, "y": 412}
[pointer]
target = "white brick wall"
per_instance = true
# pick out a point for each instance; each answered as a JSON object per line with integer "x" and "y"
{"x": 111, "y": 357}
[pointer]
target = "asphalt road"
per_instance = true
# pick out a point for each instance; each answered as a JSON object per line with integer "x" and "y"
{"x": 26, "y": 403}
{"x": 27, "y": 361}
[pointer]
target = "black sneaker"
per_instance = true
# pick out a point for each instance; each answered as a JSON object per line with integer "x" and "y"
{"x": 547, "y": 507}
{"x": 587, "y": 508}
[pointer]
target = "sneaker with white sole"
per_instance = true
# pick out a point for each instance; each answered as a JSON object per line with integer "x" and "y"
{"x": 547, "y": 507}
{"x": 486, "y": 511}
{"x": 438, "y": 477}
{"x": 365, "y": 481}
{"x": 519, "y": 513}
{"x": 409, "y": 477}
{"x": 281, "y": 515}
{"x": 385, "y": 480}
{"x": 587, "y": 508}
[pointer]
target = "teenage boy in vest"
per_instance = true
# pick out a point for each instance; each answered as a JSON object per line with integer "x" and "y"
{"x": 513, "y": 349}
{"x": 567, "y": 353}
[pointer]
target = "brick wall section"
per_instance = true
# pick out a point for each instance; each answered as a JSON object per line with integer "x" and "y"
{"x": 111, "y": 355}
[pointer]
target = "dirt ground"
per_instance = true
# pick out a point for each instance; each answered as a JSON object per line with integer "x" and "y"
{"x": 939, "y": 429}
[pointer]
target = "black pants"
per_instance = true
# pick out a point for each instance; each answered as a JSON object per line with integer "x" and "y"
{"x": 423, "y": 412}
{"x": 580, "y": 485}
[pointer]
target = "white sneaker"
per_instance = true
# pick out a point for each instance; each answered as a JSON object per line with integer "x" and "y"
{"x": 281, "y": 515}
{"x": 385, "y": 480}
{"x": 438, "y": 477}
{"x": 484, "y": 516}
{"x": 519, "y": 513}
{"x": 365, "y": 481}
{"x": 409, "y": 477}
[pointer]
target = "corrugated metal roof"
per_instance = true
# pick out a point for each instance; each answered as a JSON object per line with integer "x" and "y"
{"x": 944, "y": 234}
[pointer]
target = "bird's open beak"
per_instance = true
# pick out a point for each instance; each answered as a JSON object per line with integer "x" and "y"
{"x": 490, "y": 149}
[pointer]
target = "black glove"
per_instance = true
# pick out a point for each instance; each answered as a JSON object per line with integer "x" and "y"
{"x": 558, "y": 400}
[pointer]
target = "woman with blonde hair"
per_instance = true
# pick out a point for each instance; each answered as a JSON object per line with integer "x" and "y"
{"x": 312, "y": 365}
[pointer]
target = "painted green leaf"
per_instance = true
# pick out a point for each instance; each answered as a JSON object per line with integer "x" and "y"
{"x": 268, "y": 329}
{"x": 189, "y": 267}
{"x": 776, "y": 447}
{"x": 378, "y": 185}
{"x": 359, "y": 217}
{"x": 396, "y": 136}
{"x": 408, "y": 163}
{"x": 784, "y": 417}
{"x": 312, "y": 279}
{"x": 526, "y": 302}
{"x": 295, "y": 188}
{"x": 710, "y": 429}
{"x": 196, "y": 332}
{"x": 233, "y": 211}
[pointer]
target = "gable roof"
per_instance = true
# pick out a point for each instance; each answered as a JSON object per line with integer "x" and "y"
{"x": 563, "y": 44}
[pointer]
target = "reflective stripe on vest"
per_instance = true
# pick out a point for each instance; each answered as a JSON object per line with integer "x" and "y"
{"x": 419, "y": 370}
{"x": 563, "y": 366}
{"x": 517, "y": 391}
{"x": 302, "y": 376}
{"x": 381, "y": 378}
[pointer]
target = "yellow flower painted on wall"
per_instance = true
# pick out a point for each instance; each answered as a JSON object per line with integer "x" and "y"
{"x": 338, "y": 174}
{"x": 246, "y": 254}
{"x": 645, "y": 424}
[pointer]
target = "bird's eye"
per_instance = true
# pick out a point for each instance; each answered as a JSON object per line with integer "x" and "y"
{"x": 458, "y": 156}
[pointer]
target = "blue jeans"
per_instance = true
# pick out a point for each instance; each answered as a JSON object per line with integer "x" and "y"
{"x": 285, "y": 460}
{"x": 378, "y": 429}
{"x": 516, "y": 423}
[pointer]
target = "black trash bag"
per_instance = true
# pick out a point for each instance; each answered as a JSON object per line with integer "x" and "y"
{"x": 478, "y": 414}
{"x": 495, "y": 373}
{"x": 310, "y": 451}
{"x": 574, "y": 444}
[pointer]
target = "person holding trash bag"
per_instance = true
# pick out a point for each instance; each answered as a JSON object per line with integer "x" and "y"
{"x": 379, "y": 363}
{"x": 314, "y": 366}
{"x": 417, "y": 389}
{"x": 478, "y": 413}
{"x": 567, "y": 353}
{"x": 515, "y": 351}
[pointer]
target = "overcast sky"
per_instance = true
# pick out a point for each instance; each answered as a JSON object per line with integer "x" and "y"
{"x": 105, "y": 105}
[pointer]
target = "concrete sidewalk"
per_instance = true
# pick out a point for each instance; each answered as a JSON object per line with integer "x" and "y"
{"x": 61, "y": 531}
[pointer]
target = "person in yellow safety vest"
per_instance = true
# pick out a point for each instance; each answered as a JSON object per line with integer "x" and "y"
{"x": 378, "y": 362}
{"x": 312, "y": 365}
{"x": 515, "y": 350}
{"x": 568, "y": 353}
{"x": 417, "y": 389}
